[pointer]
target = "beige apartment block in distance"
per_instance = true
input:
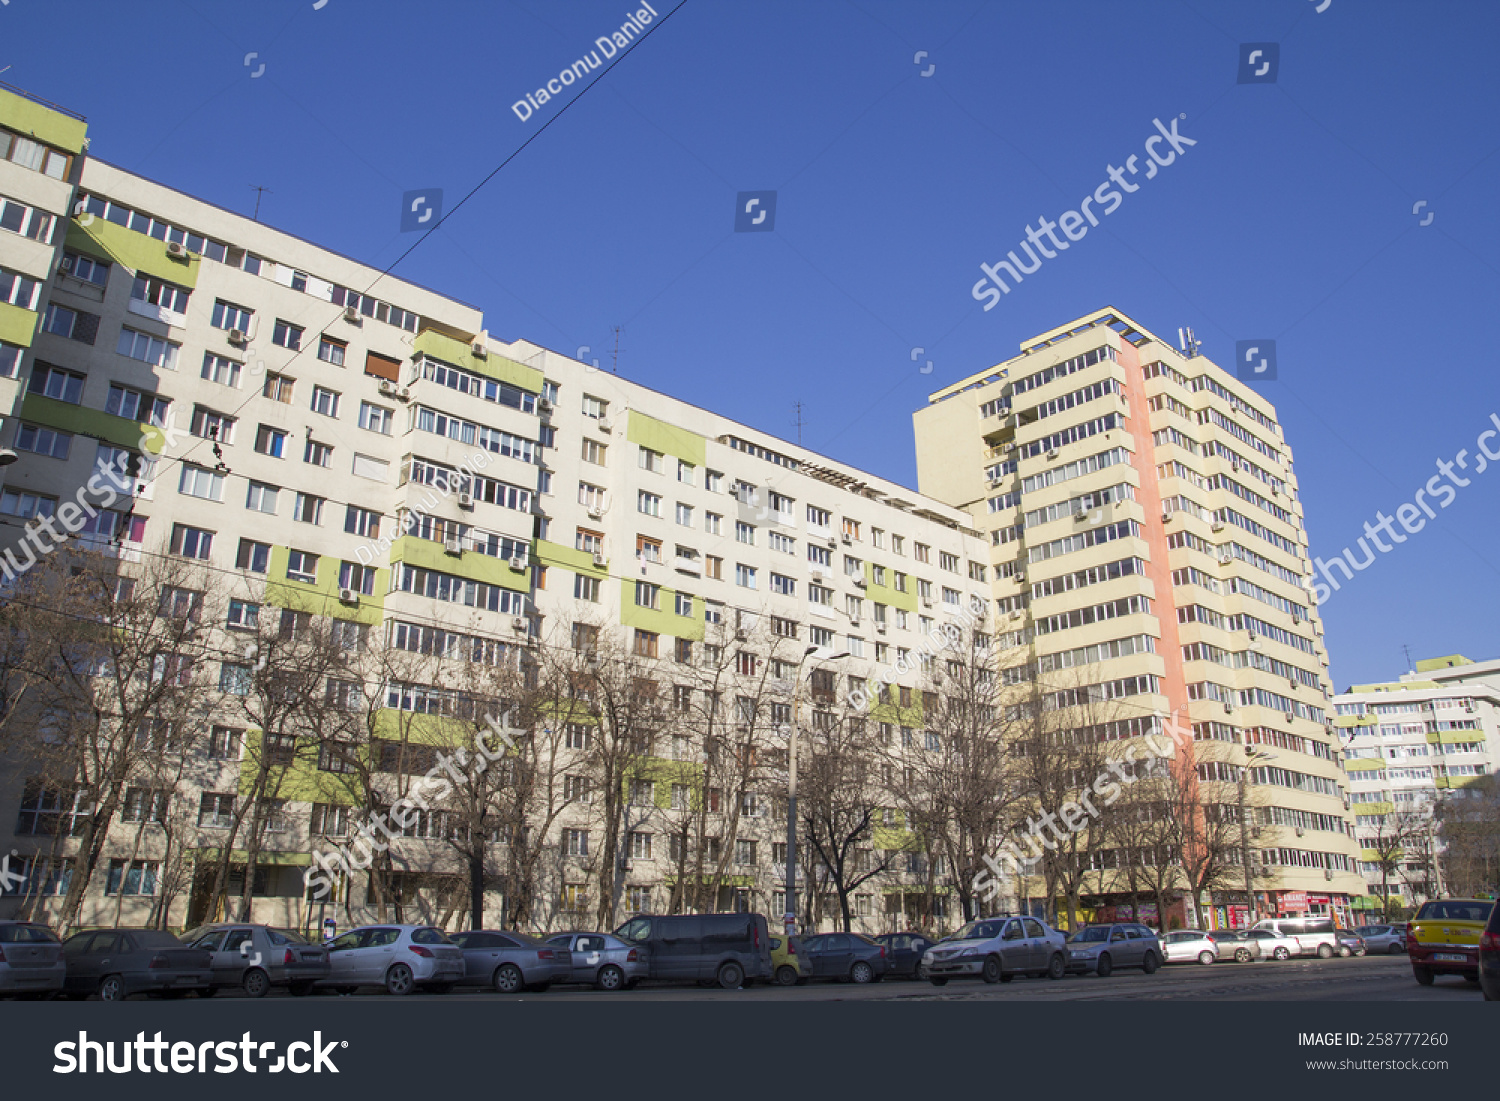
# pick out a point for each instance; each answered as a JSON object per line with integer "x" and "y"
{"x": 331, "y": 444}
{"x": 1147, "y": 542}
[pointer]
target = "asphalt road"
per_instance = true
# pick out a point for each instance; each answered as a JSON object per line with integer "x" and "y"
{"x": 1368, "y": 979}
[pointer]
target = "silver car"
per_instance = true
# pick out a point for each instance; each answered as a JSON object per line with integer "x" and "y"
{"x": 1387, "y": 939}
{"x": 31, "y": 960}
{"x": 602, "y": 960}
{"x": 1234, "y": 945}
{"x": 400, "y": 958}
{"x": 997, "y": 950}
{"x": 512, "y": 962}
{"x": 1193, "y": 945}
{"x": 1274, "y": 945}
{"x": 1103, "y": 948}
{"x": 256, "y": 957}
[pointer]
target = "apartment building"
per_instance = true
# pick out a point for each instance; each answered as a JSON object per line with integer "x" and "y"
{"x": 333, "y": 442}
{"x": 1411, "y": 744}
{"x": 1146, "y": 541}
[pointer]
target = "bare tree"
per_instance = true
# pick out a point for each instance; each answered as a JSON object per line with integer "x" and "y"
{"x": 1398, "y": 835}
{"x": 1469, "y": 828}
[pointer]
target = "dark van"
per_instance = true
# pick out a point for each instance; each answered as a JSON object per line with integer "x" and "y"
{"x": 730, "y": 949}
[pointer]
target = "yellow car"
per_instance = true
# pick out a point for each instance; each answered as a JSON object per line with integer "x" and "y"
{"x": 1443, "y": 939}
{"x": 786, "y": 960}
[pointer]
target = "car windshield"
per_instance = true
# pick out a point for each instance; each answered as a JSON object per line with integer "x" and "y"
{"x": 26, "y": 934}
{"x": 1455, "y": 910}
{"x": 634, "y": 931}
{"x": 975, "y": 930}
{"x": 286, "y": 936}
{"x": 429, "y": 936}
{"x": 1091, "y": 934}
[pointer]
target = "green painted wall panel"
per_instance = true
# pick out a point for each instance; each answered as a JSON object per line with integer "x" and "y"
{"x": 17, "y": 326}
{"x": 1360, "y": 764}
{"x": 89, "y": 422}
{"x": 884, "y": 594}
{"x": 428, "y": 555}
{"x": 460, "y": 354}
{"x": 323, "y": 597}
{"x": 555, "y": 554}
{"x": 666, "y": 438}
{"x": 133, "y": 250}
{"x": 663, "y": 620}
{"x": 26, "y": 117}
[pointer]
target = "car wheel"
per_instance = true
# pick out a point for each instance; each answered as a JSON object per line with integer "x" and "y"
{"x": 1423, "y": 976}
{"x": 1206, "y": 957}
{"x": 508, "y": 979}
{"x": 256, "y": 983}
{"x": 1325, "y": 952}
{"x": 861, "y": 972}
{"x": 610, "y": 977}
{"x": 1150, "y": 964}
{"x": 399, "y": 980}
{"x": 300, "y": 989}
{"x": 112, "y": 989}
{"x": 786, "y": 975}
{"x": 1105, "y": 967}
{"x": 1395, "y": 950}
{"x": 1057, "y": 967}
{"x": 994, "y": 970}
{"x": 1282, "y": 954}
{"x": 1345, "y": 951}
{"x": 1242, "y": 955}
{"x": 732, "y": 976}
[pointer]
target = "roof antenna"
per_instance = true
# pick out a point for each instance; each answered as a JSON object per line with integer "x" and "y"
{"x": 258, "y": 191}
{"x": 797, "y": 421}
{"x": 1188, "y": 343}
{"x": 614, "y": 363}
{"x": 1405, "y": 649}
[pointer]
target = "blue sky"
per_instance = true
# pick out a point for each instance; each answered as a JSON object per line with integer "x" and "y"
{"x": 1291, "y": 219}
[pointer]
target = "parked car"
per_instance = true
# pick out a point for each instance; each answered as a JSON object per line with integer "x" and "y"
{"x": 731, "y": 949}
{"x": 786, "y": 960}
{"x": 31, "y": 960}
{"x": 257, "y": 957}
{"x": 1443, "y": 939}
{"x": 1315, "y": 936}
{"x": 1350, "y": 943}
{"x": 1190, "y": 946}
{"x": 839, "y": 956}
{"x": 1489, "y": 957}
{"x": 511, "y": 962}
{"x": 1234, "y": 945}
{"x": 997, "y": 950}
{"x": 1274, "y": 945}
{"x": 903, "y": 954}
{"x": 1103, "y": 948}
{"x": 116, "y": 963}
{"x": 1390, "y": 939}
{"x": 602, "y": 961}
{"x": 400, "y": 958}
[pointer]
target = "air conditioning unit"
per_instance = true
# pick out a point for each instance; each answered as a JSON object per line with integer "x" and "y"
{"x": 236, "y": 336}
{"x": 833, "y": 543}
{"x": 596, "y": 514}
{"x": 177, "y": 250}
{"x": 519, "y": 624}
{"x": 604, "y": 426}
{"x": 1327, "y": 873}
{"x": 1292, "y": 682}
{"x": 517, "y": 562}
{"x": 404, "y": 393}
{"x": 854, "y": 621}
{"x": 847, "y": 540}
{"x": 1296, "y": 619}
{"x": 1218, "y": 525}
{"x": 1290, "y": 717}
{"x": 1228, "y": 708}
{"x": 478, "y": 349}
{"x": 880, "y": 628}
{"x": 348, "y": 596}
{"x": 543, "y": 406}
{"x": 1052, "y": 454}
{"x": 996, "y": 483}
{"x": 465, "y": 500}
{"x": 860, "y": 583}
{"x": 387, "y": 388}
{"x": 1021, "y": 577}
{"x": 1016, "y": 614}
{"x": 740, "y": 634}
{"x": 453, "y": 546}
{"x": 1010, "y": 446}
{"x": 600, "y": 559}
{"x": 1166, "y": 517}
{"x": 1081, "y": 517}
{"x": 1300, "y": 831}
{"x": 1225, "y": 557}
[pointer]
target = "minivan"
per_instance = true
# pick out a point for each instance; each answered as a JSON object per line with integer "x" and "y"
{"x": 731, "y": 949}
{"x": 1315, "y": 935}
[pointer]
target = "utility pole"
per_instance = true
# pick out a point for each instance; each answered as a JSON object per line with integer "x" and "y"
{"x": 1252, "y": 756}
{"x": 258, "y": 192}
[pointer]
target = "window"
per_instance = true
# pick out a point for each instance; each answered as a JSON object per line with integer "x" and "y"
{"x": 83, "y": 267}
{"x": 278, "y": 388}
{"x": 43, "y": 441}
{"x": 377, "y": 418}
{"x": 594, "y": 407}
{"x": 360, "y": 578}
{"x": 713, "y": 523}
{"x": 647, "y": 550}
{"x": 147, "y": 349}
{"x": 210, "y": 425}
{"x": 577, "y": 736}
{"x": 647, "y": 595}
{"x": 133, "y": 877}
{"x": 651, "y": 460}
{"x": 923, "y": 552}
{"x": 318, "y": 454}
{"x": 191, "y": 542}
{"x": 744, "y": 576}
{"x": 235, "y": 678}
{"x": 684, "y": 514}
{"x": 18, "y": 218}
{"x": 226, "y": 372}
{"x": 642, "y": 793}
{"x": 575, "y": 842}
{"x": 744, "y": 533}
{"x": 224, "y": 743}
{"x": 18, "y": 290}
{"x": 713, "y": 481}
{"x": 362, "y": 521}
{"x": 243, "y": 616}
{"x": 135, "y": 405}
{"x": 948, "y": 561}
{"x": 54, "y": 382}
{"x": 329, "y": 819}
{"x": 586, "y": 588}
{"x": 226, "y": 315}
{"x": 253, "y": 557}
{"x": 287, "y": 335}
{"x": 744, "y": 852}
{"x": 783, "y": 585}
{"x": 783, "y": 543}
{"x": 157, "y": 292}
{"x": 648, "y": 504}
{"x": 576, "y": 789}
{"x": 308, "y": 509}
{"x": 302, "y": 566}
{"x": 33, "y": 155}
{"x": 591, "y": 496}
{"x": 646, "y": 643}
{"x": 215, "y": 810}
{"x": 72, "y": 324}
{"x": 197, "y": 481}
{"x": 594, "y": 452}
{"x": 818, "y": 517}
{"x": 683, "y": 604}
{"x": 325, "y": 401}
{"x": 713, "y": 567}
{"x": 331, "y": 351}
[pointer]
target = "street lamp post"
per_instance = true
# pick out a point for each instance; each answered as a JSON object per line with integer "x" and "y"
{"x": 1252, "y": 756}
{"x": 789, "y": 919}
